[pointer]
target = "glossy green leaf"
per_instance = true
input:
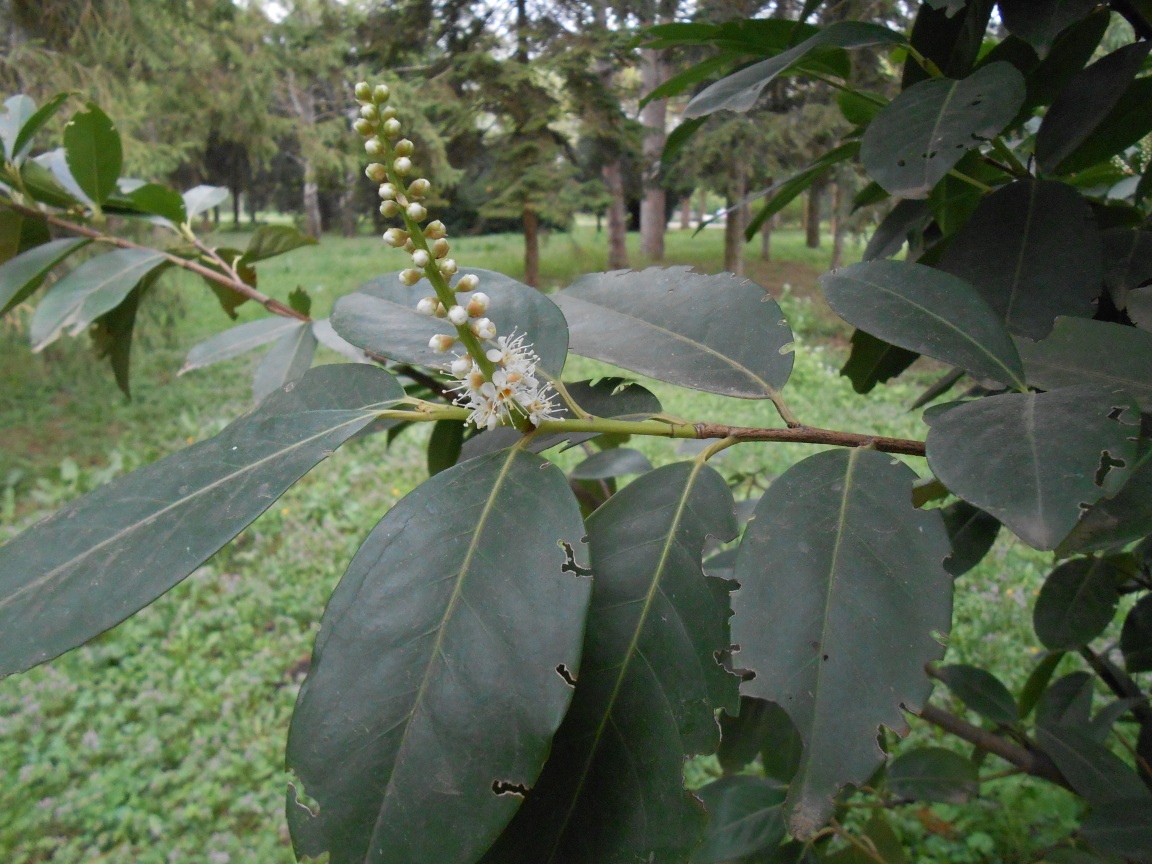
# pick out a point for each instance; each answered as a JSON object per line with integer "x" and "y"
{"x": 953, "y": 200}
{"x": 717, "y": 333}
{"x": 11, "y": 229}
{"x": 289, "y": 357}
{"x": 22, "y": 275}
{"x": 926, "y": 311}
{"x": 873, "y": 361}
{"x": 952, "y": 42}
{"x": 151, "y": 198}
{"x": 1032, "y": 459}
{"x": 23, "y": 140}
{"x": 103, "y": 557}
{"x": 97, "y": 286}
{"x": 1127, "y": 261}
{"x": 859, "y": 108}
{"x": 18, "y": 110}
{"x": 1129, "y": 121}
{"x": 1076, "y": 602}
{"x": 300, "y": 300}
{"x": 1084, "y": 103}
{"x": 921, "y": 135}
{"x": 1082, "y": 351}
{"x": 740, "y": 90}
{"x": 268, "y": 241}
{"x": 971, "y": 532}
{"x": 1093, "y": 770}
{"x": 238, "y": 340}
{"x": 93, "y": 152}
{"x": 1038, "y": 681}
{"x": 381, "y": 317}
{"x": 42, "y": 184}
{"x": 1068, "y": 702}
{"x": 981, "y": 691}
{"x": 1136, "y": 637}
{"x": 112, "y": 332}
{"x": 892, "y": 233}
{"x": 745, "y": 816}
{"x": 841, "y": 590}
{"x": 1031, "y": 250}
{"x": 763, "y": 728}
{"x": 646, "y": 698}
{"x": 199, "y": 199}
{"x": 1123, "y": 827}
{"x": 615, "y": 462}
{"x": 1040, "y": 23}
{"x": 781, "y": 194}
{"x": 933, "y": 774}
{"x": 442, "y": 667}
{"x": 444, "y": 445}
{"x": 879, "y": 836}
{"x": 331, "y": 340}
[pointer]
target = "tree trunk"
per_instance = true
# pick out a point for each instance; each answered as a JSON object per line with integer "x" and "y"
{"x": 812, "y": 214}
{"x": 734, "y": 228}
{"x": 686, "y": 213}
{"x": 312, "y": 221}
{"x": 766, "y": 238}
{"x": 235, "y": 208}
{"x": 617, "y": 216}
{"x": 531, "y": 248}
{"x": 702, "y": 205}
{"x": 653, "y": 118}
{"x": 348, "y": 206}
{"x": 839, "y": 226}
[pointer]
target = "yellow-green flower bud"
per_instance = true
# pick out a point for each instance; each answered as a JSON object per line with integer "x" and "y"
{"x": 363, "y": 91}
{"x": 404, "y": 147}
{"x": 387, "y": 113}
{"x": 440, "y": 248}
{"x": 403, "y": 166}
{"x": 374, "y": 146}
{"x": 376, "y": 172}
{"x": 417, "y": 212}
{"x": 435, "y": 230}
{"x": 368, "y": 112}
{"x": 395, "y": 237}
{"x": 410, "y": 276}
{"x": 390, "y": 209}
{"x": 381, "y": 93}
{"x": 392, "y": 128}
{"x": 448, "y": 266}
{"x": 418, "y": 188}
{"x": 364, "y": 127}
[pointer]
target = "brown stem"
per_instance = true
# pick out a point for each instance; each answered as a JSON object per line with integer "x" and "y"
{"x": 1034, "y": 763}
{"x": 1119, "y": 683}
{"x": 812, "y": 435}
{"x": 240, "y": 287}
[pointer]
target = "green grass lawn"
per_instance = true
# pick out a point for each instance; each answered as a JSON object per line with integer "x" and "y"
{"x": 162, "y": 741}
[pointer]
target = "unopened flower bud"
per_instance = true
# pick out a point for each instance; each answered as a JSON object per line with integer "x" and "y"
{"x": 374, "y": 146}
{"x": 483, "y": 329}
{"x": 419, "y": 188}
{"x": 392, "y": 128}
{"x": 387, "y": 191}
{"x": 478, "y": 304}
{"x": 380, "y": 93}
{"x": 389, "y": 209}
{"x": 435, "y": 230}
{"x": 363, "y": 91}
{"x": 395, "y": 237}
{"x": 439, "y": 248}
{"x": 404, "y": 147}
{"x": 441, "y": 343}
{"x": 421, "y": 258}
{"x": 417, "y": 212}
{"x": 368, "y": 112}
{"x": 364, "y": 127}
{"x": 409, "y": 246}
{"x": 468, "y": 282}
{"x": 458, "y": 316}
{"x": 448, "y": 266}
{"x": 376, "y": 172}
{"x": 461, "y": 366}
{"x": 427, "y": 306}
{"x": 387, "y": 113}
{"x": 403, "y": 165}
{"x": 410, "y": 276}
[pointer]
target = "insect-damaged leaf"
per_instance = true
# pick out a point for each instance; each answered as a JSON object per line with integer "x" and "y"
{"x": 112, "y": 552}
{"x": 442, "y": 667}
{"x": 717, "y": 333}
{"x": 1033, "y": 459}
{"x": 381, "y": 317}
{"x": 1033, "y": 253}
{"x": 646, "y": 698}
{"x": 923, "y": 310}
{"x": 920, "y": 136}
{"x": 841, "y": 588}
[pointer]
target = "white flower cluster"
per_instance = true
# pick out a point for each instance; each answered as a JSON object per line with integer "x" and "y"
{"x": 511, "y": 390}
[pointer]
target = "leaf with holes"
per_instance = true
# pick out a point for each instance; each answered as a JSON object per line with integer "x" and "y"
{"x": 652, "y": 680}
{"x": 97, "y": 286}
{"x": 841, "y": 590}
{"x": 381, "y": 317}
{"x": 1076, "y": 602}
{"x": 741, "y": 90}
{"x": 1033, "y": 459}
{"x": 923, "y": 310}
{"x": 933, "y": 774}
{"x": 1032, "y": 252}
{"x": 921, "y": 135}
{"x": 93, "y": 153}
{"x": 717, "y": 333}
{"x": 1083, "y": 351}
{"x": 981, "y": 691}
{"x": 442, "y": 667}
{"x": 745, "y": 817}
{"x": 98, "y": 560}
